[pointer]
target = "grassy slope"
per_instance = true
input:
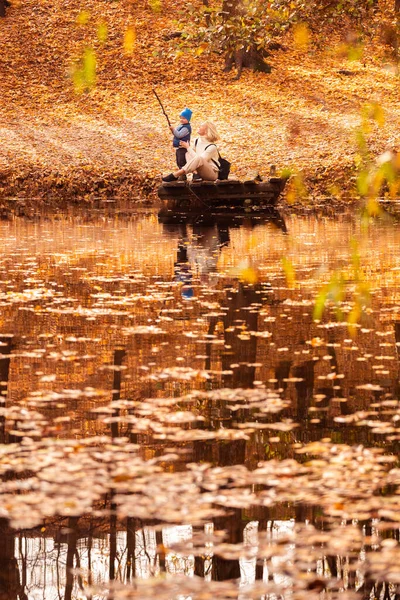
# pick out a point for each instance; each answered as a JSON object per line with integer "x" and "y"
{"x": 302, "y": 115}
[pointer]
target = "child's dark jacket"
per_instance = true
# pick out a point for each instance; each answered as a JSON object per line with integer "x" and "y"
{"x": 181, "y": 134}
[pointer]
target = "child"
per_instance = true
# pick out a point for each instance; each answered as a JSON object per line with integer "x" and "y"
{"x": 182, "y": 134}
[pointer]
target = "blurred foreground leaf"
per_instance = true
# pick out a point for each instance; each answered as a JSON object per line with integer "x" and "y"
{"x": 129, "y": 40}
{"x": 84, "y": 71}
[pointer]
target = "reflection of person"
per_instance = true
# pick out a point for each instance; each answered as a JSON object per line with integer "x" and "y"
{"x": 203, "y": 252}
{"x": 203, "y": 159}
{"x": 183, "y": 272}
{"x": 182, "y": 133}
{"x": 198, "y": 256}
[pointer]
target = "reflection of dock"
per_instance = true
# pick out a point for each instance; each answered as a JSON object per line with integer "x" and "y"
{"x": 227, "y": 218}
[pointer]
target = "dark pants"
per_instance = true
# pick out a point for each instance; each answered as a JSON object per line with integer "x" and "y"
{"x": 181, "y": 157}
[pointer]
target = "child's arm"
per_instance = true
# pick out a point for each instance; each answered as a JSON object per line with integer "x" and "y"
{"x": 181, "y": 133}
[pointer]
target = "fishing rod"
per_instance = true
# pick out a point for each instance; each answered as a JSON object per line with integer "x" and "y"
{"x": 162, "y": 108}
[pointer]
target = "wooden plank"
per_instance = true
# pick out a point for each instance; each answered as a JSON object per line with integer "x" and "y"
{"x": 173, "y": 184}
{"x": 223, "y": 182}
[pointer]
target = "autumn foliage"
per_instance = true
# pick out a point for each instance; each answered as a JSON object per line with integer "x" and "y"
{"x": 79, "y": 120}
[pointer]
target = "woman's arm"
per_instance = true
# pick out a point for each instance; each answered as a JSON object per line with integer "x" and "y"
{"x": 189, "y": 151}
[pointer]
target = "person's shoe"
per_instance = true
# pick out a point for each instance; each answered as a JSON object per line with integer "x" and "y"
{"x": 196, "y": 177}
{"x": 170, "y": 177}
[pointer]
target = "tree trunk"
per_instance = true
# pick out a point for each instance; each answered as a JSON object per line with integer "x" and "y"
{"x": 113, "y": 541}
{"x": 5, "y": 350}
{"x": 72, "y": 539}
{"x": 131, "y": 547}
{"x": 250, "y": 58}
{"x": 243, "y": 352}
{"x": 10, "y": 581}
{"x": 119, "y": 355}
{"x": 397, "y": 34}
{"x": 224, "y": 569}
{"x": 3, "y": 5}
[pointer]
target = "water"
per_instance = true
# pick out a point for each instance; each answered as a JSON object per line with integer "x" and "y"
{"x": 165, "y": 383}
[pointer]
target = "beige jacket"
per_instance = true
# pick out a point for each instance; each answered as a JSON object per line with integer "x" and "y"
{"x": 208, "y": 155}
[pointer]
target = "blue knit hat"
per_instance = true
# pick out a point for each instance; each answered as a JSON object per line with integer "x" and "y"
{"x": 186, "y": 114}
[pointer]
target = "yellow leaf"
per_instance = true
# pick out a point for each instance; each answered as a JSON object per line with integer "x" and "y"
{"x": 291, "y": 195}
{"x": 129, "y": 40}
{"x": 374, "y": 112}
{"x": 155, "y": 5}
{"x": 89, "y": 67}
{"x": 248, "y": 275}
{"x": 289, "y": 271}
{"x": 302, "y": 36}
{"x": 83, "y": 17}
{"x": 379, "y": 114}
{"x": 352, "y": 320}
{"x": 373, "y": 208}
{"x": 102, "y": 32}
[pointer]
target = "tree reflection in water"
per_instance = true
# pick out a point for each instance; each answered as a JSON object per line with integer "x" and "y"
{"x": 39, "y": 563}
{"x": 242, "y": 414}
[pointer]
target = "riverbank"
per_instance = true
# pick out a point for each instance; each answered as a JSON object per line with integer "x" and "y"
{"x": 114, "y": 141}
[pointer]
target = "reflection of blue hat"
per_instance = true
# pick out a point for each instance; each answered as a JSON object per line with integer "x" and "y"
{"x": 186, "y": 114}
{"x": 187, "y": 292}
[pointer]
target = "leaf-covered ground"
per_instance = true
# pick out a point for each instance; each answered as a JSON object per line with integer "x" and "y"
{"x": 114, "y": 139}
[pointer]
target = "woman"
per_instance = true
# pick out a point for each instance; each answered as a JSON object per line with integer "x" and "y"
{"x": 203, "y": 159}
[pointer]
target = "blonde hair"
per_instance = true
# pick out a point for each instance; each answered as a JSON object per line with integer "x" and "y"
{"x": 212, "y": 134}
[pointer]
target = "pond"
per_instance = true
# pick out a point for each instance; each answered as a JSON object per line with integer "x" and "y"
{"x": 203, "y": 409}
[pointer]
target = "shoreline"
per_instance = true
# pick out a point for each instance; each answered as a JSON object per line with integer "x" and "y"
{"x": 43, "y": 189}
{"x": 60, "y": 201}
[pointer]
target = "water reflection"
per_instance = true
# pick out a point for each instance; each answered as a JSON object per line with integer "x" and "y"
{"x": 37, "y": 564}
{"x": 145, "y": 332}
